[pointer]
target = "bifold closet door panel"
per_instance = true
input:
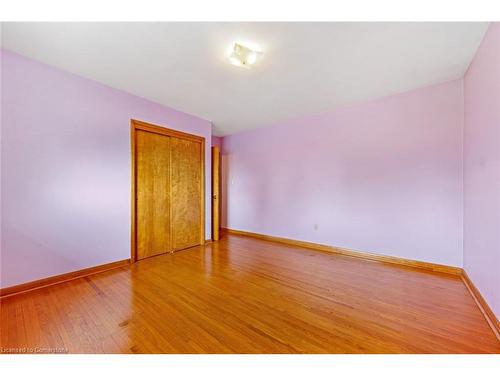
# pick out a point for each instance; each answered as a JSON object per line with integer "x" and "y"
{"x": 152, "y": 194}
{"x": 186, "y": 187}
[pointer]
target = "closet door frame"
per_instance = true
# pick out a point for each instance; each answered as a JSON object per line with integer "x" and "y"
{"x": 136, "y": 125}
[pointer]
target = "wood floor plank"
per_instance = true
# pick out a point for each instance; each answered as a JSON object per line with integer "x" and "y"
{"x": 246, "y": 295}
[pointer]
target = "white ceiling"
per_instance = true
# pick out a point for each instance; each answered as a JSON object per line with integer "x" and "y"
{"x": 306, "y": 67}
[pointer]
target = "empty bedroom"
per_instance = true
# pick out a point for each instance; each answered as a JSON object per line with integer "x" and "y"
{"x": 250, "y": 188}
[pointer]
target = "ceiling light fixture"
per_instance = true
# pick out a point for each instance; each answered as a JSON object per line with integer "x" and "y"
{"x": 244, "y": 56}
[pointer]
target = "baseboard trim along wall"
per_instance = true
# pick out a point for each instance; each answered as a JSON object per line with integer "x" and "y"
{"x": 483, "y": 306}
{"x": 57, "y": 279}
{"x": 488, "y": 313}
{"x": 352, "y": 253}
{"x": 476, "y": 295}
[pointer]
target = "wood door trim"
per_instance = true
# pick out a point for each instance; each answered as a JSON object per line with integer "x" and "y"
{"x": 136, "y": 125}
{"x": 152, "y": 128}
{"x": 57, "y": 279}
{"x": 202, "y": 195}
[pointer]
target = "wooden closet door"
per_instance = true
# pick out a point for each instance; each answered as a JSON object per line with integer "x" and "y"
{"x": 215, "y": 193}
{"x": 186, "y": 184}
{"x": 152, "y": 194}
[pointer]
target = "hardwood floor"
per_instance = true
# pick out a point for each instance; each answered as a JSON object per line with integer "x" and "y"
{"x": 244, "y": 295}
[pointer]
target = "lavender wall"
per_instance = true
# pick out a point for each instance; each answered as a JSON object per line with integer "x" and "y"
{"x": 66, "y": 169}
{"x": 216, "y": 141}
{"x": 383, "y": 176}
{"x": 482, "y": 169}
{"x": 1, "y": 125}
